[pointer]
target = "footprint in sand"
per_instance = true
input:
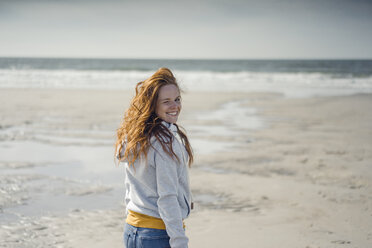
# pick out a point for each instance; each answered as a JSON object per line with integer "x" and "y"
{"x": 342, "y": 242}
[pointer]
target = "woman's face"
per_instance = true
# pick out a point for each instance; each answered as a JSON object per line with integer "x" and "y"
{"x": 168, "y": 106}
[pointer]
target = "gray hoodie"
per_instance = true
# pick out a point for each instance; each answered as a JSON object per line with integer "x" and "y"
{"x": 159, "y": 187}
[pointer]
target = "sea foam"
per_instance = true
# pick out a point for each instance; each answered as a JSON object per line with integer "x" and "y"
{"x": 289, "y": 84}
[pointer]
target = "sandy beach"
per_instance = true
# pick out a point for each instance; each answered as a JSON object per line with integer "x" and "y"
{"x": 269, "y": 171}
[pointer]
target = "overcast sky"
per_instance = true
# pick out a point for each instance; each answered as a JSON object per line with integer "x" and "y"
{"x": 234, "y": 29}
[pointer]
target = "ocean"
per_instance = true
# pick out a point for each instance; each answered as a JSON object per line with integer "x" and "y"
{"x": 293, "y": 78}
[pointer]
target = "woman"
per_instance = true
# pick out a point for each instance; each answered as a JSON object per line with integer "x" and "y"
{"x": 157, "y": 155}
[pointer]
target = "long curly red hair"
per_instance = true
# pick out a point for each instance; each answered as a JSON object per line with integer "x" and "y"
{"x": 140, "y": 122}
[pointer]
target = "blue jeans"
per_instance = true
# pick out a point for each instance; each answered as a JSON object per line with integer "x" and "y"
{"x": 139, "y": 237}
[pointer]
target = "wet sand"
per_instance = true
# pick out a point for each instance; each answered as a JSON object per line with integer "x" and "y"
{"x": 296, "y": 173}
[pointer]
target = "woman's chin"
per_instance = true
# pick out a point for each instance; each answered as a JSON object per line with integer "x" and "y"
{"x": 171, "y": 119}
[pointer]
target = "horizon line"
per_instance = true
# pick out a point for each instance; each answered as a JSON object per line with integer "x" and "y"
{"x": 183, "y": 58}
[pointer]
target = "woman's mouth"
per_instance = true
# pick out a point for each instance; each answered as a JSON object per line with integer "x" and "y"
{"x": 173, "y": 113}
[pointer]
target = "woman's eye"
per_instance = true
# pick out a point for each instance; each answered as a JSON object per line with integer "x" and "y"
{"x": 178, "y": 99}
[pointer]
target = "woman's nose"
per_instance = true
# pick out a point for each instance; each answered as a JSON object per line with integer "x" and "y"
{"x": 174, "y": 104}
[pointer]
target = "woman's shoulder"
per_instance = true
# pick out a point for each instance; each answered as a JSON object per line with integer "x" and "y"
{"x": 165, "y": 136}
{"x": 160, "y": 140}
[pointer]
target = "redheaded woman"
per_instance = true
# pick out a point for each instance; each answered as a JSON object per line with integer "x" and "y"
{"x": 156, "y": 155}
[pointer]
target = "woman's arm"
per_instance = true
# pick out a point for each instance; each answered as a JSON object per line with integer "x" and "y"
{"x": 169, "y": 208}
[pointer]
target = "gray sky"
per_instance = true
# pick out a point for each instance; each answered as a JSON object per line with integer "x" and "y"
{"x": 186, "y": 29}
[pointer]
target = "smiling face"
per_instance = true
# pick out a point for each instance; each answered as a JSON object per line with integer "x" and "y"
{"x": 168, "y": 105}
